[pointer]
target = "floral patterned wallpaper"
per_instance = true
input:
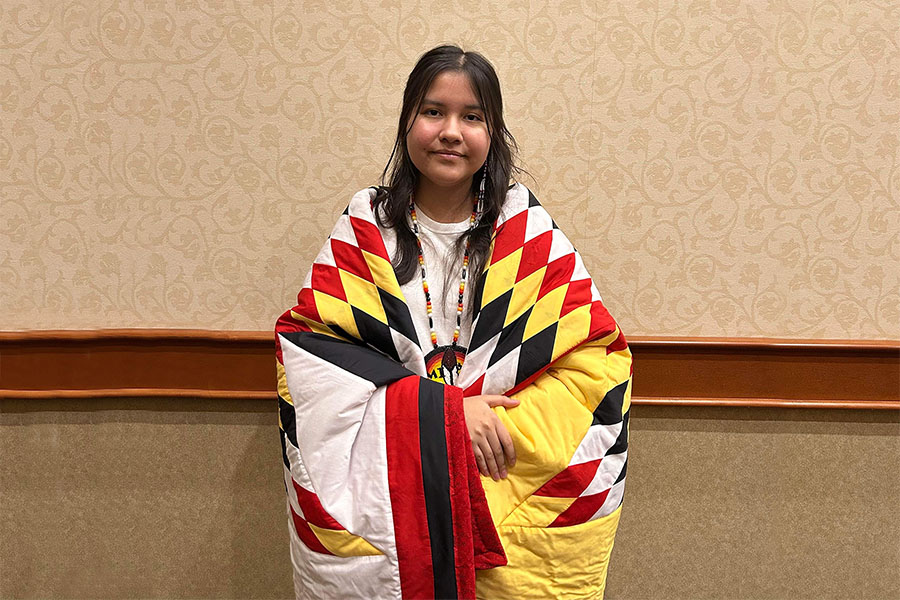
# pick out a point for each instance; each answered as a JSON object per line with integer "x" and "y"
{"x": 726, "y": 167}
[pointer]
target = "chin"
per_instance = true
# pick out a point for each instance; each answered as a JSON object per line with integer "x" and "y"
{"x": 444, "y": 179}
{"x": 450, "y": 183}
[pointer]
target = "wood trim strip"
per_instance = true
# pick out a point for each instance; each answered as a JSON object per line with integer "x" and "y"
{"x": 86, "y": 394}
{"x": 127, "y": 335}
{"x": 254, "y": 396}
{"x": 265, "y": 337}
{"x": 768, "y": 403}
{"x": 671, "y": 371}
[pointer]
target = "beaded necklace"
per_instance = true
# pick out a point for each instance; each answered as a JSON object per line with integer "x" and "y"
{"x": 443, "y": 363}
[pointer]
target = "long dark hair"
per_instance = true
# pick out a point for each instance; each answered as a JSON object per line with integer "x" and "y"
{"x": 392, "y": 200}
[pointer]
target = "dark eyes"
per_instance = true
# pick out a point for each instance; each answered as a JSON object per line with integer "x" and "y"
{"x": 433, "y": 112}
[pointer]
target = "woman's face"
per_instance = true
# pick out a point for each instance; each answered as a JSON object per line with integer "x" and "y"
{"x": 449, "y": 139}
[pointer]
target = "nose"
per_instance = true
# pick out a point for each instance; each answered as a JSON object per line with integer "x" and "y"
{"x": 451, "y": 131}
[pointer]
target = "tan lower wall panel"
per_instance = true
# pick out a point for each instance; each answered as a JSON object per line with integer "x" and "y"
{"x": 754, "y": 503}
{"x": 142, "y": 499}
{"x": 183, "y": 498}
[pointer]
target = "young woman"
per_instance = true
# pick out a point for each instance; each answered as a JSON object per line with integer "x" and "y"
{"x": 432, "y": 428}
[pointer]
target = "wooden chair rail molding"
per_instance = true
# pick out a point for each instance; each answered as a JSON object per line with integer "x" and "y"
{"x": 173, "y": 363}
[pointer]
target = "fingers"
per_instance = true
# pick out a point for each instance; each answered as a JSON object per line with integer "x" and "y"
{"x": 509, "y": 450}
{"x": 497, "y": 449}
{"x": 479, "y": 460}
{"x": 497, "y": 452}
{"x": 492, "y": 444}
{"x": 490, "y": 456}
{"x": 503, "y": 401}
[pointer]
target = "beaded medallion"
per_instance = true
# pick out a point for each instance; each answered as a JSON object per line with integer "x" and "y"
{"x": 443, "y": 363}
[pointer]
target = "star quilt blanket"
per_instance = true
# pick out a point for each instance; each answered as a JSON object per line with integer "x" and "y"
{"x": 383, "y": 496}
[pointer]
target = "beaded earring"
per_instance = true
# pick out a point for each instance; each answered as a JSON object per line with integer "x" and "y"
{"x": 479, "y": 205}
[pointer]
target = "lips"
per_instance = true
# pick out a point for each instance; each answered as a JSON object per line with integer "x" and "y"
{"x": 447, "y": 153}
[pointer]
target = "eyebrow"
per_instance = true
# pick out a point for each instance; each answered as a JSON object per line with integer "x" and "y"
{"x": 441, "y": 104}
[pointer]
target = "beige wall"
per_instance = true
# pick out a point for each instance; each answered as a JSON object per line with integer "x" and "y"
{"x": 178, "y": 499}
{"x": 726, "y": 168}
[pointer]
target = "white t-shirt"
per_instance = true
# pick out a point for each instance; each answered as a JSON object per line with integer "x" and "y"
{"x": 443, "y": 269}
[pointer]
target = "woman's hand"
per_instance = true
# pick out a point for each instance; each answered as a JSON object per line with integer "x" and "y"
{"x": 491, "y": 443}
